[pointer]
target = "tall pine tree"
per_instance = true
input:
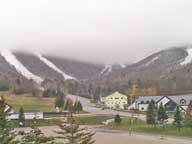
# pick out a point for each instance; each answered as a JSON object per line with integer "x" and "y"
{"x": 71, "y": 133}
{"x": 178, "y": 119}
{"x": 59, "y": 102}
{"x": 152, "y": 113}
{"x": 162, "y": 115}
{"x": 6, "y": 134}
{"x": 36, "y": 137}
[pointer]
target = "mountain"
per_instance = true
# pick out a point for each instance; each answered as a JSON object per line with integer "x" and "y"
{"x": 39, "y": 67}
{"x": 168, "y": 70}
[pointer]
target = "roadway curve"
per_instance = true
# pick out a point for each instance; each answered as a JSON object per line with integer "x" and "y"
{"x": 90, "y": 107}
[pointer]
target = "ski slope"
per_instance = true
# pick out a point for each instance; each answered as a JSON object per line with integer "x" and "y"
{"x": 188, "y": 59}
{"x": 152, "y": 61}
{"x": 20, "y": 68}
{"x": 107, "y": 69}
{"x": 53, "y": 66}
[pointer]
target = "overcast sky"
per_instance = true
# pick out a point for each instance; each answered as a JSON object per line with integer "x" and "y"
{"x": 95, "y": 30}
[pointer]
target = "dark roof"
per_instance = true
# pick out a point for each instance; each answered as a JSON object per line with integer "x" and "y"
{"x": 182, "y": 100}
{"x": 147, "y": 99}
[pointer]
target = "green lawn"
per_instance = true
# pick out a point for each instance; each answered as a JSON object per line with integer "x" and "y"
{"x": 92, "y": 120}
{"x": 29, "y": 103}
{"x": 83, "y": 120}
{"x": 140, "y": 126}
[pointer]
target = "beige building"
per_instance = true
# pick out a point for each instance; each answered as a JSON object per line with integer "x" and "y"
{"x": 115, "y": 101}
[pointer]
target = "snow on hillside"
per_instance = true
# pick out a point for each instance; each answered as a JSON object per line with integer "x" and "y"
{"x": 122, "y": 65}
{"x": 188, "y": 59}
{"x": 152, "y": 61}
{"x": 53, "y": 66}
{"x": 13, "y": 61}
{"x": 107, "y": 69}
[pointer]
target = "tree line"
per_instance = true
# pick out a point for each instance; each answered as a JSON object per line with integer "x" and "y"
{"x": 67, "y": 104}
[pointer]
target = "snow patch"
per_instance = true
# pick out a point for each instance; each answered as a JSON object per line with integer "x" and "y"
{"x": 188, "y": 58}
{"x": 53, "y": 66}
{"x": 107, "y": 69}
{"x": 152, "y": 61}
{"x": 122, "y": 65}
{"x": 12, "y": 60}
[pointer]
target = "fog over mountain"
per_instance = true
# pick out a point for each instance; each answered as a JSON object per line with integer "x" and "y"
{"x": 95, "y": 30}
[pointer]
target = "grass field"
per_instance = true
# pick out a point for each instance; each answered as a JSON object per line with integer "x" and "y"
{"x": 140, "y": 126}
{"x": 29, "y": 103}
{"x": 92, "y": 120}
{"x": 83, "y": 120}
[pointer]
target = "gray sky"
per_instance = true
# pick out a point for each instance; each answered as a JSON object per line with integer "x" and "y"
{"x": 95, "y": 30}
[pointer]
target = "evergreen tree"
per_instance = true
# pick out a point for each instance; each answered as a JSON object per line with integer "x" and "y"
{"x": 21, "y": 117}
{"x": 59, "y": 102}
{"x": 178, "y": 119}
{"x": 117, "y": 119}
{"x": 71, "y": 133}
{"x": 129, "y": 84}
{"x": 188, "y": 117}
{"x": 34, "y": 93}
{"x": 162, "y": 115}
{"x": 152, "y": 113}
{"x": 36, "y": 137}
{"x": 6, "y": 134}
{"x": 78, "y": 106}
{"x": 47, "y": 93}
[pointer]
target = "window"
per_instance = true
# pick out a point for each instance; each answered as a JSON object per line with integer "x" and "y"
{"x": 183, "y": 102}
{"x": 142, "y": 102}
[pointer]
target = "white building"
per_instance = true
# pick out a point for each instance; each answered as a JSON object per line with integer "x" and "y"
{"x": 115, "y": 101}
{"x": 28, "y": 116}
{"x": 142, "y": 102}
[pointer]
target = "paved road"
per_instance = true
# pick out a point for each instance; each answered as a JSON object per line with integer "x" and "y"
{"x": 104, "y": 136}
{"x": 89, "y": 107}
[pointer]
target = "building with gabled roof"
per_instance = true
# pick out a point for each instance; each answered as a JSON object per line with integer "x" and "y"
{"x": 116, "y": 101}
{"x": 142, "y": 102}
{"x": 181, "y": 100}
{"x": 169, "y": 102}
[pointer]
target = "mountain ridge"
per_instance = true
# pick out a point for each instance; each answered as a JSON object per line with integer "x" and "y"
{"x": 160, "y": 67}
